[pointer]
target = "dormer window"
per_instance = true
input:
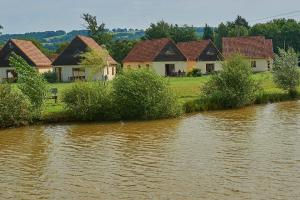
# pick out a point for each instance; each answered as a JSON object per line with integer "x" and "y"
{"x": 211, "y": 52}
{"x": 77, "y": 53}
{"x": 170, "y": 52}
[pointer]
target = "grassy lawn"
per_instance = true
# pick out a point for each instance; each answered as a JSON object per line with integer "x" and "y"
{"x": 186, "y": 88}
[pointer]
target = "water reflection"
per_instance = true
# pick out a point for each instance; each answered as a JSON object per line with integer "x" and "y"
{"x": 250, "y": 153}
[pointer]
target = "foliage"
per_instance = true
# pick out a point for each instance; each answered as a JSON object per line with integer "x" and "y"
{"x": 238, "y": 27}
{"x": 120, "y": 48}
{"x": 98, "y": 32}
{"x": 158, "y": 30}
{"x": 196, "y": 72}
{"x": 61, "y": 47}
{"x": 142, "y": 94}
{"x": 14, "y": 107}
{"x": 221, "y": 32}
{"x": 50, "y": 76}
{"x": 94, "y": 61}
{"x": 30, "y": 82}
{"x": 182, "y": 33}
{"x": 284, "y": 33}
{"x": 233, "y": 86}
{"x": 286, "y": 74}
{"x": 208, "y": 33}
{"x": 89, "y": 101}
{"x": 177, "y": 33}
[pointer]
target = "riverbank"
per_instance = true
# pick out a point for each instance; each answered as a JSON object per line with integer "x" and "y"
{"x": 187, "y": 89}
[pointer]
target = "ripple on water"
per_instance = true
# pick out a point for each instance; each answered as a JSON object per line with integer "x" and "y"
{"x": 250, "y": 153}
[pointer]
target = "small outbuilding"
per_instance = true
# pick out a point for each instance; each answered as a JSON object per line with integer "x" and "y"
{"x": 67, "y": 64}
{"x": 160, "y": 55}
{"x": 257, "y": 49}
{"x": 28, "y": 51}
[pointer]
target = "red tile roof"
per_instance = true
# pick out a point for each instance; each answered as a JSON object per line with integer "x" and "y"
{"x": 92, "y": 44}
{"x": 146, "y": 51}
{"x": 32, "y": 52}
{"x": 252, "y": 47}
{"x": 192, "y": 50}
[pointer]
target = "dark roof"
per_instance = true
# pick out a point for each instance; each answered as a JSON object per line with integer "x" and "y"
{"x": 80, "y": 44}
{"x": 27, "y": 50}
{"x": 252, "y": 47}
{"x": 150, "y": 50}
{"x": 192, "y": 50}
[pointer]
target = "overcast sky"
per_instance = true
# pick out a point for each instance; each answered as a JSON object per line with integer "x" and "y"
{"x": 19, "y": 16}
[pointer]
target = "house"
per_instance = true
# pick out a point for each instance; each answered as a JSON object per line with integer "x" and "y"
{"x": 161, "y": 55}
{"x": 28, "y": 51}
{"x": 257, "y": 49}
{"x": 67, "y": 64}
{"x": 203, "y": 55}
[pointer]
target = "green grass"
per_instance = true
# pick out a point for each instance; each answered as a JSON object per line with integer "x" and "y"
{"x": 186, "y": 88}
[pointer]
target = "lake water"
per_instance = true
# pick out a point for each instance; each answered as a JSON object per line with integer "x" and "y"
{"x": 251, "y": 153}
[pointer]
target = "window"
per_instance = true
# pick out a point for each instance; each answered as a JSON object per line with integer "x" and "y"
{"x": 147, "y": 66}
{"x": 78, "y": 73}
{"x": 128, "y": 67}
{"x": 269, "y": 65}
{"x": 253, "y": 64}
{"x": 107, "y": 70}
{"x": 139, "y": 66}
{"x": 113, "y": 71}
{"x": 210, "y": 68}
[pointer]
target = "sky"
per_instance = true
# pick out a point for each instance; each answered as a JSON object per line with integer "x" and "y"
{"x": 20, "y": 16}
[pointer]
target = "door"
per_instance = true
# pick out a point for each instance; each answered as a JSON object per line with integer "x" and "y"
{"x": 58, "y": 73}
{"x": 210, "y": 68}
{"x": 169, "y": 69}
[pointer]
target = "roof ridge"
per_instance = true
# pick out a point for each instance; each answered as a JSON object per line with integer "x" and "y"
{"x": 15, "y": 41}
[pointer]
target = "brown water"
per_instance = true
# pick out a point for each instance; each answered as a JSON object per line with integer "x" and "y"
{"x": 252, "y": 153}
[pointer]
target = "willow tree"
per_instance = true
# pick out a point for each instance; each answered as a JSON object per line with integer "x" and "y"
{"x": 94, "y": 61}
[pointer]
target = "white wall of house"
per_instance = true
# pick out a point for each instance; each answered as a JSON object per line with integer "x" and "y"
{"x": 160, "y": 67}
{"x": 202, "y": 65}
{"x": 262, "y": 65}
{"x": 67, "y": 72}
{"x": 3, "y": 72}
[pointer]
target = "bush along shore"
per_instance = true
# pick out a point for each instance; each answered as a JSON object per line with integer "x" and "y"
{"x": 144, "y": 95}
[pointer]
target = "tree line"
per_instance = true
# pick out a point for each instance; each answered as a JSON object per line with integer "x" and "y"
{"x": 285, "y": 33}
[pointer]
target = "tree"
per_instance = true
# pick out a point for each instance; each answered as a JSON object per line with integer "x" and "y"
{"x": 177, "y": 33}
{"x": 161, "y": 29}
{"x": 286, "y": 74}
{"x": 98, "y": 32}
{"x": 208, "y": 33}
{"x": 240, "y": 21}
{"x": 284, "y": 33}
{"x": 1, "y": 27}
{"x": 30, "y": 82}
{"x": 233, "y": 86}
{"x": 120, "y": 48}
{"x": 183, "y": 33}
{"x": 222, "y": 31}
{"x": 94, "y": 61}
{"x": 61, "y": 47}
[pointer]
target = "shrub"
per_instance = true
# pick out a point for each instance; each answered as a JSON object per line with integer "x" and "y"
{"x": 142, "y": 94}
{"x": 30, "y": 82}
{"x": 286, "y": 74}
{"x": 14, "y": 107}
{"x": 89, "y": 101}
{"x": 195, "y": 73}
{"x": 50, "y": 77}
{"x": 233, "y": 86}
